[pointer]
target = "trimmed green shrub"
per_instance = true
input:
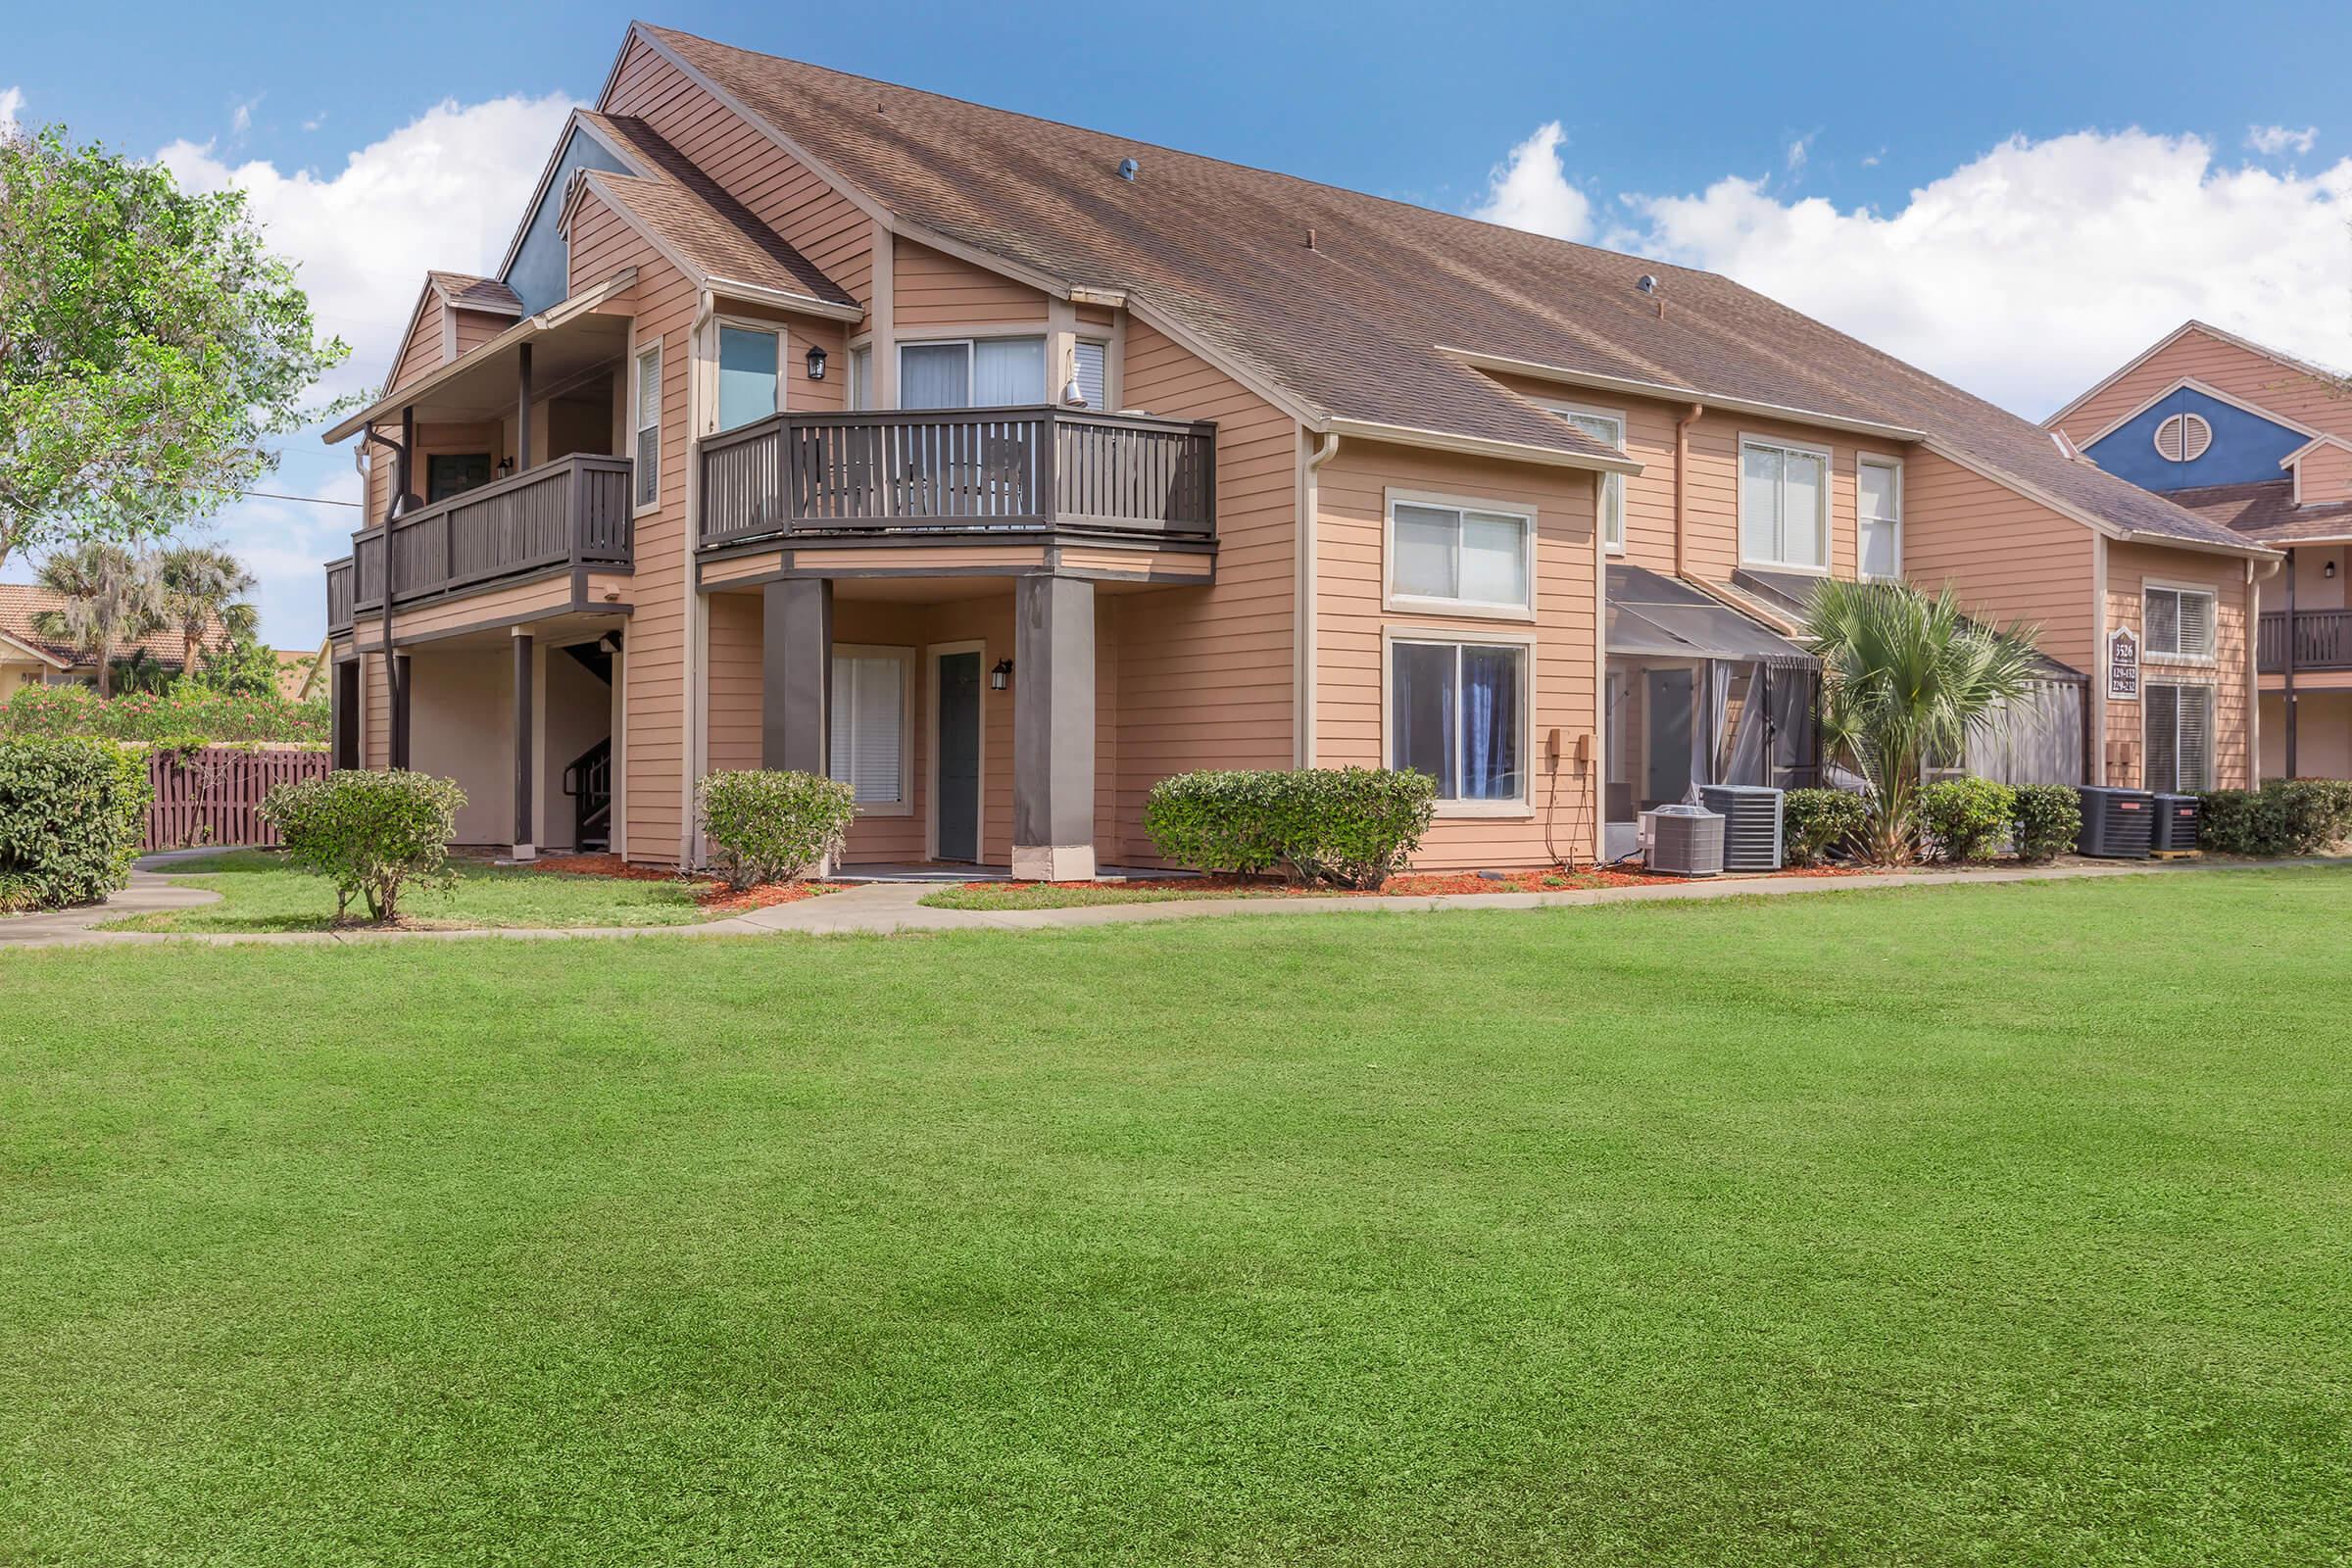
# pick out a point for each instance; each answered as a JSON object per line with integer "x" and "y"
{"x": 1964, "y": 818}
{"x": 773, "y": 826}
{"x": 72, "y": 815}
{"x": 372, "y": 834}
{"x": 186, "y": 709}
{"x": 2285, "y": 817}
{"x": 2045, "y": 821}
{"x": 1817, "y": 824}
{"x": 1345, "y": 826}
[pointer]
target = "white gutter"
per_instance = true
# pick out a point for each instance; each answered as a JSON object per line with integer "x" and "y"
{"x": 1475, "y": 445}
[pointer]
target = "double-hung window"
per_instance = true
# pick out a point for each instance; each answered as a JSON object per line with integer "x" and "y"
{"x": 1879, "y": 511}
{"x": 1458, "y": 711}
{"x": 988, "y": 372}
{"x": 2179, "y": 624}
{"x": 868, "y": 748}
{"x": 2179, "y": 737}
{"x": 750, "y": 383}
{"x": 645, "y": 446}
{"x": 1460, "y": 557}
{"x": 1609, "y": 430}
{"x": 1784, "y": 504}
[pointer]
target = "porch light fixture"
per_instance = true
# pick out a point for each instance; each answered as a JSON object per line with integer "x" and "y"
{"x": 2328, "y": 570}
{"x": 1000, "y": 676}
{"x": 816, "y": 364}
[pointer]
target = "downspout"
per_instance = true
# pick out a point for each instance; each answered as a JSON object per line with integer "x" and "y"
{"x": 2254, "y": 582}
{"x": 1308, "y": 502}
{"x": 1681, "y": 484}
{"x": 696, "y": 762}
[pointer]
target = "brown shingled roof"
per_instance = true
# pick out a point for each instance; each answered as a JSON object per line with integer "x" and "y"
{"x": 2266, "y": 513}
{"x": 1354, "y": 327}
{"x": 20, "y": 602}
{"x": 471, "y": 293}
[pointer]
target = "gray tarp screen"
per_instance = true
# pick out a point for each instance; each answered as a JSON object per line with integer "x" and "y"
{"x": 1651, "y": 614}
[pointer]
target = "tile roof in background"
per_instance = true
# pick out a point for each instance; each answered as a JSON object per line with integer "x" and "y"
{"x": 20, "y": 603}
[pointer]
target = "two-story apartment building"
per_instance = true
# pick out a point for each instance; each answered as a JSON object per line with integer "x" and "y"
{"x": 1003, "y": 469}
{"x": 2258, "y": 442}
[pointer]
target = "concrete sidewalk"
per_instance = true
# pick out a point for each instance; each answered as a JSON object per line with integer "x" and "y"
{"x": 885, "y": 908}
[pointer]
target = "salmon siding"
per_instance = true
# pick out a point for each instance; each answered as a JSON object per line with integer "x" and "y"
{"x": 1294, "y": 629}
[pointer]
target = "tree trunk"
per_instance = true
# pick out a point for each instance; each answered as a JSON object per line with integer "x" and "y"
{"x": 105, "y": 669}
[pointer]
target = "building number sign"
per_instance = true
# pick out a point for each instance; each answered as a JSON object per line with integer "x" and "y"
{"x": 2123, "y": 666}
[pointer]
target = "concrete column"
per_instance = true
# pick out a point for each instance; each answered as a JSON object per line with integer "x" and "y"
{"x": 526, "y": 799}
{"x": 796, "y": 670}
{"x": 1053, "y": 729}
{"x": 398, "y": 672}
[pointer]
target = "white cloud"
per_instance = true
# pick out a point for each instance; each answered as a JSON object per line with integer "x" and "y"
{"x": 1799, "y": 151}
{"x": 1529, "y": 189}
{"x": 2272, "y": 140}
{"x": 2033, "y": 269}
{"x": 12, "y": 107}
{"x": 240, "y": 118}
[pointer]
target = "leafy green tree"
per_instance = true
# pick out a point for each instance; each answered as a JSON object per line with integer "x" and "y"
{"x": 150, "y": 346}
{"x": 1905, "y": 677}
{"x": 243, "y": 668}
{"x": 204, "y": 593}
{"x": 139, "y": 672}
{"x": 107, "y": 598}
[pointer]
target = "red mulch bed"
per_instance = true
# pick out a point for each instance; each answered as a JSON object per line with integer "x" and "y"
{"x": 1431, "y": 884}
{"x": 709, "y": 891}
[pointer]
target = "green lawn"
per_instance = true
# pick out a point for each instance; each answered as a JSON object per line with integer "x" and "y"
{"x": 1982, "y": 1225}
{"x": 259, "y": 892}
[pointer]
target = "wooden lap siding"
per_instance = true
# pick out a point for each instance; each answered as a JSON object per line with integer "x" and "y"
{"x": 2240, "y": 373}
{"x": 1349, "y": 530}
{"x": 2011, "y": 559}
{"x": 2130, "y": 570}
{"x": 935, "y": 291}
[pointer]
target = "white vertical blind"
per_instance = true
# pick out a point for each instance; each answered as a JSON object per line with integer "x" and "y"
{"x": 646, "y": 452}
{"x": 1092, "y": 383}
{"x": 1783, "y": 506}
{"x": 1008, "y": 371}
{"x": 869, "y": 725}
{"x": 2178, "y": 622}
{"x": 935, "y": 375}
{"x": 1800, "y": 513}
{"x": 1759, "y": 503}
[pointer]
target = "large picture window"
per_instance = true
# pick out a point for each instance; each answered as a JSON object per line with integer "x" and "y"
{"x": 868, "y": 748}
{"x": 2178, "y": 721}
{"x": 1458, "y": 713}
{"x": 988, "y": 372}
{"x": 1784, "y": 504}
{"x": 2179, "y": 624}
{"x": 1460, "y": 556}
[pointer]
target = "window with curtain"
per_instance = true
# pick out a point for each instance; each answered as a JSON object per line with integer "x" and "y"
{"x": 1092, "y": 385}
{"x": 2179, "y": 624}
{"x": 2178, "y": 735}
{"x": 748, "y": 385}
{"x": 868, "y": 750}
{"x": 1457, "y": 713}
{"x": 990, "y": 373}
{"x": 1784, "y": 506}
{"x": 1878, "y": 505}
{"x": 1459, "y": 556}
{"x": 1609, "y": 430}
{"x": 861, "y": 378}
{"x": 645, "y": 447}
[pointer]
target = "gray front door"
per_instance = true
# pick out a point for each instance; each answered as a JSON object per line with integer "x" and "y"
{"x": 958, "y": 803}
{"x": 1668, "y": 719}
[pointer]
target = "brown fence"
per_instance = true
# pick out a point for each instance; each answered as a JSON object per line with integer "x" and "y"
{"x": 214, "y": 795}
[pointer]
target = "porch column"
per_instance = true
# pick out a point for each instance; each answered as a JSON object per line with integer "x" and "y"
{"x": 1053, "y": 729}
{"x": 397, "y": 668}
{"x": 526, "y": 837}
{"x": 2288, "y": 693}
{"x": 795, "y": 673}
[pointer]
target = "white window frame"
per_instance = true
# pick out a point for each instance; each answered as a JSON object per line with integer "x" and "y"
{"x": 637, "y": 426}
{"x": 970, "y": 338}
{"x": 2213, "y": 702}
{"x": 932, "y": 654}
{"x": 1481, "y": 609}
{"x": 1611, "y": 484}
{"x": 2149, "y": 653}
{"x": 1876, "y": 460}
{"x": 1827, "y": 507}
{"x": 857, "y": 392}
{"x": 727, "y": 323}
{"x": 903, "y": 805}
{"x": 1465, "y": 636}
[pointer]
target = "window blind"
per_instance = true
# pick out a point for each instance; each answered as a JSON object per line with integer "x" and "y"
{"x": 647, "y": 456}
{"x": 869, "y": 726}
{"x": 1091, "y": 377}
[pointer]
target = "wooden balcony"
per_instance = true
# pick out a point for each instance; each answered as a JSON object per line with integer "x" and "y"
{"x": 910, "y": 474}
{"x": 573, "y": 512}
{"x": 2322, "y": 640}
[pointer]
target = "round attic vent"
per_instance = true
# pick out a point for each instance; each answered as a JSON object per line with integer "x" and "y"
{"x": 2184, "y": 438}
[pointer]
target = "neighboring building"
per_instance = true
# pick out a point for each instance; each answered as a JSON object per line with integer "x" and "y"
{"x": 1003, "y": 468}
{"x": 301, "y": 676}
{"x": 27, "y": 659}
{"x": 2260, "y": 443}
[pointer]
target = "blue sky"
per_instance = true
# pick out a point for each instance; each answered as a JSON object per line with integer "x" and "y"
{"x": 1959, "y": 185}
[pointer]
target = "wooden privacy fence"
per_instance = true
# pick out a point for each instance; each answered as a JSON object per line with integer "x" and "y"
{"x": 213, "y": 795}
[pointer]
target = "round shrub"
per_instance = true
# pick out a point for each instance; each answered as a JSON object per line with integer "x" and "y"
{"x": 2285, "y": 817}
{"x": 771, "y": 825}
{"x": 2045, "y": 821}
{"x": 1817, "y": 824}
{"x": 1350, "y": 827}
{"x": 72, "y": 815}
{"x": 372, "y": 834}
{"x": 1964, "y": 818}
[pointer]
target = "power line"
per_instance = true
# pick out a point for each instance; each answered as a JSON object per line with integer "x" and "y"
{"x": 315, "y": 501}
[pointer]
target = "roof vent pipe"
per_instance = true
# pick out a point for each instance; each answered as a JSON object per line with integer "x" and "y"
{"x": 1649, "y": 286}
{"x": 1129, "y": 168}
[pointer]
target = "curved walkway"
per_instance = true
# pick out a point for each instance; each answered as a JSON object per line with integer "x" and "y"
{"x": 884, "y": 908}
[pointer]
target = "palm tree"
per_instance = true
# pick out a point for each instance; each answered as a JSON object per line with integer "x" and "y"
{"x": 204, "y": 589}
{"x": 109, "y": 598}
{"x": 1905, "y": 679}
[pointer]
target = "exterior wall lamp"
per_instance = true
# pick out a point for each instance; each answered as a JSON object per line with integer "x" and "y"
{"x": 816, "y": 364}
{"x": 1000, "y": 676}
{"x": 2327, "y": 571}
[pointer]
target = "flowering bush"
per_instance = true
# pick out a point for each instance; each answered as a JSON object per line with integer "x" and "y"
{"x": 185, "y": 712}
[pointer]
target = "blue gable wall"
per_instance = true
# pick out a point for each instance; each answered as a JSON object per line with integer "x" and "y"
{"x": 2246, "y": 447}
{"x": 539, "y": 276}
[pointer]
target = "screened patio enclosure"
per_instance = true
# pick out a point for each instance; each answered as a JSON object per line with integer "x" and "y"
{"x": 1697, "y": 694}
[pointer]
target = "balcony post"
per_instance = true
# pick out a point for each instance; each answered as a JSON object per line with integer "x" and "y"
{"x": 522, "y": 410}
{"x": 1053, "y": 729}
{"x": 2288, "y": 686}
{"x": 796, "y": 675}
{"x": 526, "y": 847}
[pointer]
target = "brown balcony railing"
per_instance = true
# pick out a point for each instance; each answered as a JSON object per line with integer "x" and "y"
{"x": 914, "y": 471}
{"x": 2322, "y": 640}
{"x": 573, "y": 512}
